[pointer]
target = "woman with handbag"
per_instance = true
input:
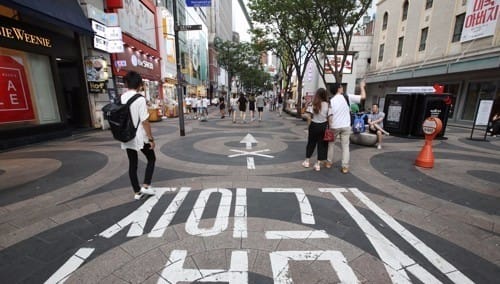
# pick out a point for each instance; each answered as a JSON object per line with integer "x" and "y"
{"x": 317, "y": 127}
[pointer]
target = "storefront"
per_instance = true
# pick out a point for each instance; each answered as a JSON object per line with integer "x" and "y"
{"x": 43, "y": 90}
{"x": 137, "y": 21}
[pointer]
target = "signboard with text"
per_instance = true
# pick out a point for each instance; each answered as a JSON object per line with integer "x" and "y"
{"x": 198, "y": 3}
{"x": 480, "y": 19}
{"x": 15, "y": 98}
{"x": 337, "y": 60}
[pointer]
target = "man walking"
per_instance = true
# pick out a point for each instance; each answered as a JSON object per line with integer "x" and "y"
{"x": 260, "y": 102}
{"x": 143, "y": 139}
{"x": 340, "y": 121}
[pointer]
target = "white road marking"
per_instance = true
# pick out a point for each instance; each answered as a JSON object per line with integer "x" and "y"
{"x": 174, "y": 271}
{"x": 440, "y": 263}
{"x": 395, "y": 261}
{"x": 248, "y": 140}
{"x": 221, "y": 220}
{"x": 168, "y": 215}
{"x": 136, "y": 219}
{"x": 250, "y": 163}
{"x": 70, "y": 266}
{"x": 281, "y": 269}
{"x": 297, "y": 235}
{"x": 306, "y": 213}
{"x": 247, "y": 153}
{"x": 240, "y": 214}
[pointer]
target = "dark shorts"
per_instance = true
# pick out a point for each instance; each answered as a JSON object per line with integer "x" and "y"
{"x": 251, "y": 108}
{"x": 243, "y": 108}
{"x": 260, "y": 109}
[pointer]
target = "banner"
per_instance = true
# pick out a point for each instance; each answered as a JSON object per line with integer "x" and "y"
{"x": 480, "y": 19}
{"x": 337, "y": 60}
{"x": 15, "y": 97}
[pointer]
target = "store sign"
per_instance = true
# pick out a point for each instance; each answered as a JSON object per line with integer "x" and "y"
{"x": 480, "y": 19}
{"x": 19, "y": 34}
{"x": 110, "y": 46}
{"x": 141, "y": 63}
{"x": 416, "y": 89}
{"x": 96, "y": 69}
{"x": 336, "y": 60}
{"x": 97, "y": 87}
{"x": 15, "y": 98}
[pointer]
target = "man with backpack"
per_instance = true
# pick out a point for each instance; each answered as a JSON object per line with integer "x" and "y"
{"x": 376, "y": 122}
{"x": 143, "y": 139}
{"x": 340, "y": 121}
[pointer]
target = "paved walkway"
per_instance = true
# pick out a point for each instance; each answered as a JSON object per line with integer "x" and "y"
{"x": 234, "y": 205}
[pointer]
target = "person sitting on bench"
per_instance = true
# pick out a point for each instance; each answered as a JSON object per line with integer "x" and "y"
{"x": 376, "y": 124}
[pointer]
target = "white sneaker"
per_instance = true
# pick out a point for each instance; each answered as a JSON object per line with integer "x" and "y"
{"x": 148, "y": 190}
{"x": 379, "y": 146}
{"x": 138, "y": 195}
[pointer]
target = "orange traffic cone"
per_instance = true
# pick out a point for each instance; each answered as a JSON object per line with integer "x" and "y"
{"x": 426, "y": 157}
{"x": 431, "y": 127}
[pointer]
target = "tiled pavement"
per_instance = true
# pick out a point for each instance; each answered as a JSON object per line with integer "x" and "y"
{"x": 67, "y": 212}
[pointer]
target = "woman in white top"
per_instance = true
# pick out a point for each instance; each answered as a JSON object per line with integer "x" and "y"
{"x": 319, "y": 122}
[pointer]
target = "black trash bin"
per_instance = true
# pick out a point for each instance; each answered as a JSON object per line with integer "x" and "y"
{"x": 405, "y": 112}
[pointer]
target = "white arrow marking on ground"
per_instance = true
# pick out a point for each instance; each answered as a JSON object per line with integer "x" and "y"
{"x": 248, "y": 140}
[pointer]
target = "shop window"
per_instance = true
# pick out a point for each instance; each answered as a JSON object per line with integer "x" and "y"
{"x": 400, "y": 46}
{"x": 381, "y": 53}
{"x": 29, "y": 96}
{"x": 384, "y": 21}
{"x": 459, "y": 24}
{"x": 423, "y": 39}
{"x": 405, "y": 11}
{"x": 477, "y": 91}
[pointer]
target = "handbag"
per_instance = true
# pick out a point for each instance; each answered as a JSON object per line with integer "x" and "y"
{"x": 329, "y": 135}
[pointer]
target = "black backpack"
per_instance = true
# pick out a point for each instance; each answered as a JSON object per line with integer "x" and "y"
{"x": 120, "y": 119}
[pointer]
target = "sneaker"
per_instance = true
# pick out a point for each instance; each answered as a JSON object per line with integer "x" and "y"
{"x": 148, "y": 190}
{"x": 379, "y": 147}
{"x": 328, "y": 164}
{"x": 138, "y": 195}
{"x": 305, "y": 164}
{"x": 317, "y": 167}
{"x": 344, "y": 170}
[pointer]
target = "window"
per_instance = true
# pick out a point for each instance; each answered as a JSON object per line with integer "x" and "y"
{"x": 381, "y": 53}
{"x": 459, "y": 24}
{"x": 423, "y": 39}
{"x": 405, "y": 11}
{"x": 400, "y": 46}
{"x": 475, "y": 92}
{"x": 428, "y": 4}
{"x": 384, "y": 22}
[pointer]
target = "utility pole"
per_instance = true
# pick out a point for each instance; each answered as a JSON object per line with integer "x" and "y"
{"x": 178, "y": 86}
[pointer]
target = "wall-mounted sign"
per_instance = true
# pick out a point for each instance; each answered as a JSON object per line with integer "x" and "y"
{"x": 113, "y": 33}
{"x": 480, "y": 19}
{"x": 19, "y": 34}
{"x": 15, "y": 98}
{"x": 99, "y": 29}
{"x": 97, "y": 87}
{"x": 337, "y": 60}
{"x": 198, "y": 3}
{"x": 110, "y": 46}
{"x": 96, "y": 69}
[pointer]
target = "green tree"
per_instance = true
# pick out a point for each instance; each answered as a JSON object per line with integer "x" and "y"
{"x": 283, "y": 20}
{"x": 338, "y": 20}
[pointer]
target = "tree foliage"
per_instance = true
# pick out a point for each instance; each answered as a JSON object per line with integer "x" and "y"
{"x": 287, "y": 33}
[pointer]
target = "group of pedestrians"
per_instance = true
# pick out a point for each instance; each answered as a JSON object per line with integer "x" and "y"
{"x": 197, "y": 106}
{"x": 335, "y": 113}
{"x": 241, "y": 102}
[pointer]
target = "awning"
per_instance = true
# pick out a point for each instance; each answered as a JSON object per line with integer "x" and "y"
{"x": 67, "y": 13}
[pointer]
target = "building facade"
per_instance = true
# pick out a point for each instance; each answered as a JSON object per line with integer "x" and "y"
{"x": 453, "y": 43}
{"x": 43, "y": 87}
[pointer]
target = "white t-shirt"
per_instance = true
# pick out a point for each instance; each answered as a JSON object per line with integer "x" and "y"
{"x": 339, "y": 109}
{"x": 139, "y": 112}
{"x": 322, "y": 115}
{"x": 188, "y": 101}
{"x": 204, "y": 102}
